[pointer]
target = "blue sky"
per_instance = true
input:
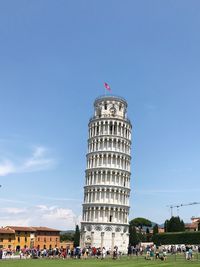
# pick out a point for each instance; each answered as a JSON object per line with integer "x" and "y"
{"x": 54, "y": 58}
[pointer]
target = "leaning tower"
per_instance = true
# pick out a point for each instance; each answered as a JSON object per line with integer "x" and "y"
{"x": 107, "y": 177}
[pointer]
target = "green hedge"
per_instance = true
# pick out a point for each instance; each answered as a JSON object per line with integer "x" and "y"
{"x": 192, "y": 238}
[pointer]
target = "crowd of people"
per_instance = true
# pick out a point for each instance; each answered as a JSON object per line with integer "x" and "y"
{"x": 75, "y": 253}
{"x": 149, "y": 252}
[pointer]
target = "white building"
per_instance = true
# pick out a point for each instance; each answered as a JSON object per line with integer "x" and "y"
{"x": 107, "y": 185}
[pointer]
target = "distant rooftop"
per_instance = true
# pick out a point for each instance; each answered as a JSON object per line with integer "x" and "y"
{"x": 6, "y": 231}
{"x": 21, "y": 228}
{"x": 31, "y": 228}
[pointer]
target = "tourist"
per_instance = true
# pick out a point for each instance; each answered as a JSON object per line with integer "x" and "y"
{"x": 103, "y": 253}
{"x": 84, "y": 253}
{"x": 190, "y": 253}
{"x": 147, "y": 257}
{"x": 94, "y": 251}
{"x": 115, "y": 253}
{"x": 157, "y": 253}
{"x": 98, "y": 253}
{"x": 151, "y": 254}
{"x": 130, "y": 251}
{"x": 164, "y": 254}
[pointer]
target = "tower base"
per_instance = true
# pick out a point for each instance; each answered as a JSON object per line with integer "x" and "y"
{"x": 105, "y": 235}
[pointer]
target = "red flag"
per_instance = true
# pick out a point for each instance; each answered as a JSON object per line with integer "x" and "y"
{"x": 107, "y": 86}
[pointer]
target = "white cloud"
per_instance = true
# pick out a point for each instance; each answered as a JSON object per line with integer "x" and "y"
{"x": 12, "y": 210}
{"x": 57, "y": 198}
{"x": 39, "y": 160}
{"x": 40, "y": 215}
{"x": 58, "y": 214}
{"x": 39, "y": 152}
{"x": 11, "y": 201}
{"x": 6, "y": 167}
{"x": 15, "y": 222}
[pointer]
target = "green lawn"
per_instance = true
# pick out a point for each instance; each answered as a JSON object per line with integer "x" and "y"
{"x": 125, "y": 262}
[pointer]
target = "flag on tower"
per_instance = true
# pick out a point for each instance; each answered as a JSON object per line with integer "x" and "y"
{"x": 107, "y": 86}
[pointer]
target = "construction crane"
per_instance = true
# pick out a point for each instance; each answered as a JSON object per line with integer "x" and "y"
{"x": 181, "y": 205}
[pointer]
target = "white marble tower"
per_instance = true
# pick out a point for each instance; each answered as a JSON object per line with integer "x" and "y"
{"x": 107, "y": 185}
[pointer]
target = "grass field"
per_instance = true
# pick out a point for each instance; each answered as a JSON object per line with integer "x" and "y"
{"x": 123, "y": 262}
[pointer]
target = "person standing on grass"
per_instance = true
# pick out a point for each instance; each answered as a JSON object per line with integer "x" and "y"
{"x": 157, "y": 253}
{"x": 114, "y": 253}
{"x": 84, "y": 253}
{"x": 151, "y": 254}
{"x": 164, "y": 254}
{"x": 1, "y": 254}
{"x": 190, "y": 253}
{"x": 103, "y": 253}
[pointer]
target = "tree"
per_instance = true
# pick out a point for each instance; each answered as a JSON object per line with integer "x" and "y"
{"x": 140, "y": 222}
{"x": 133, "y": 237}
{"x": 77, "y": 237}
{"x": 199, "y": 226}
{"x": 155, "y": 229}
{"x": 136, "y": 237}
{"x": 166, "y": 225}
{"x": 147, "y": 234}
{"x": 174, "y": 225}
{"x": 69, "y": 236}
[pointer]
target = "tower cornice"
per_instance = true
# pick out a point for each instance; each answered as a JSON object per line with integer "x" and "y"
{"x": 109, "y": 137}
{"x": 107, "y": 169}
{"x": 101, "y": 204}
{"x": 109, "y": 186}
{"x": 104, "y": 223}
{"x": 109, "y": 118}
{"x": 108, "y": 152}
